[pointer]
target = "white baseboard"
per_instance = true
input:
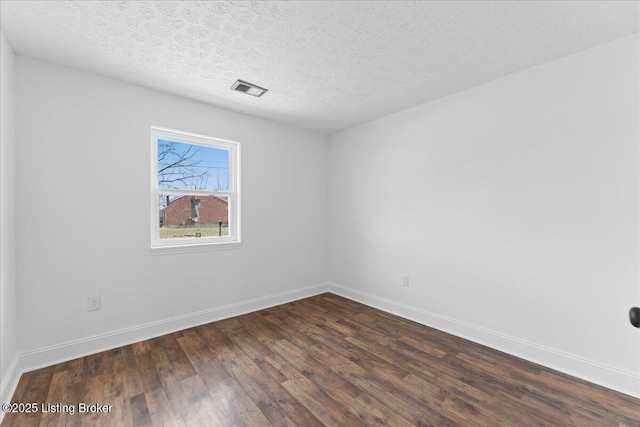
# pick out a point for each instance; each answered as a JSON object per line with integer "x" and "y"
{"x": 9, "y": 384}
{"x": 47, "y": 356}
{"x": 606, "y": 376}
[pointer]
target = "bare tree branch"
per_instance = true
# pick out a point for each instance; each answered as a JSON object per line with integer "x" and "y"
{"x": 180, "y": 167}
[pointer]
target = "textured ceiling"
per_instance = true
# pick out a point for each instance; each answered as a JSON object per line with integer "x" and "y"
{"x": 328, "y": 65}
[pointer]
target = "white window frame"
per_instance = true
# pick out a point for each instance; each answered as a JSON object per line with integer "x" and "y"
{"x": 195, "y": 244}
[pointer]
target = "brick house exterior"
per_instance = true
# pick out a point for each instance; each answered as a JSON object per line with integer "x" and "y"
{"x": 181, "y": 211}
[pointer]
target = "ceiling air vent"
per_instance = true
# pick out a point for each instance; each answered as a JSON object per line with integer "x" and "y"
{"x": 248, "y": 88}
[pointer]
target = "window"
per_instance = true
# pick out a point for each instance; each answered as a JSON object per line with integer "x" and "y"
{"x": 195, "y": 192}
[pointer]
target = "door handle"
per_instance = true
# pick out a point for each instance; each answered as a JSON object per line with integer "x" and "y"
{"x": 634, "y": 316}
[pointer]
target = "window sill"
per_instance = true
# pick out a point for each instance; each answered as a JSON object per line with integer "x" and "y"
{"x": 199, "y": 247}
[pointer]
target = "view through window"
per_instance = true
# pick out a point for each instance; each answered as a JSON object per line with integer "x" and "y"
{"x": 195, "y": 189}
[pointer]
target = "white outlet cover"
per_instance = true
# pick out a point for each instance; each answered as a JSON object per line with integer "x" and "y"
{"x": 94, "y": 303}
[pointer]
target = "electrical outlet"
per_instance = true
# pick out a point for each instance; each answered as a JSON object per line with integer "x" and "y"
{"x": 405, "y": 281}
{"x": 93, "y": 303}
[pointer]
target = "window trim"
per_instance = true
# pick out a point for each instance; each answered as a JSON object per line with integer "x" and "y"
{"x": 192, "y": 244}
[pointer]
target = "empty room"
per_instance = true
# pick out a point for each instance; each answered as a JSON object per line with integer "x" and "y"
{"x": 320, "y": 213}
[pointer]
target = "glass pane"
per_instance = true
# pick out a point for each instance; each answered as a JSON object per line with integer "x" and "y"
{"x": 190, "y": 166}
{"x": 193, "y": 216}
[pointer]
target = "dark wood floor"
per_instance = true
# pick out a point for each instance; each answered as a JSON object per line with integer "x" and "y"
{"x": 320, "y": 361}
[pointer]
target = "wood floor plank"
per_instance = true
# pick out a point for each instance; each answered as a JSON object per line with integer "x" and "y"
{"x": 320, "y": 403}
{"x": 36, "y": 390}
{"x": 140, "y": 372}
{"x": 140, "y": 411}
{"x": 323, "y": 334}
{"x": 57, "y": 387}
{"x": 244, "y": 371}
{"x": 182, "y": 368}
{"x": 263, "y": 374}
{"x": 106, "y": 362}
{"x": 160, "y": 410}
{"x": 320, "y": 361}
{"x": 170, "y": 382}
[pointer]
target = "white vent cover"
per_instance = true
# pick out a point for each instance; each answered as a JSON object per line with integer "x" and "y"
{"x": 248, "y": 88}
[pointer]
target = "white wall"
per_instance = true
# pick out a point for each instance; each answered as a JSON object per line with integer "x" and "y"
{"x": 8, "y": 291}
{"x": 513, "y": 207}
{"x": 83, "y": 213}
